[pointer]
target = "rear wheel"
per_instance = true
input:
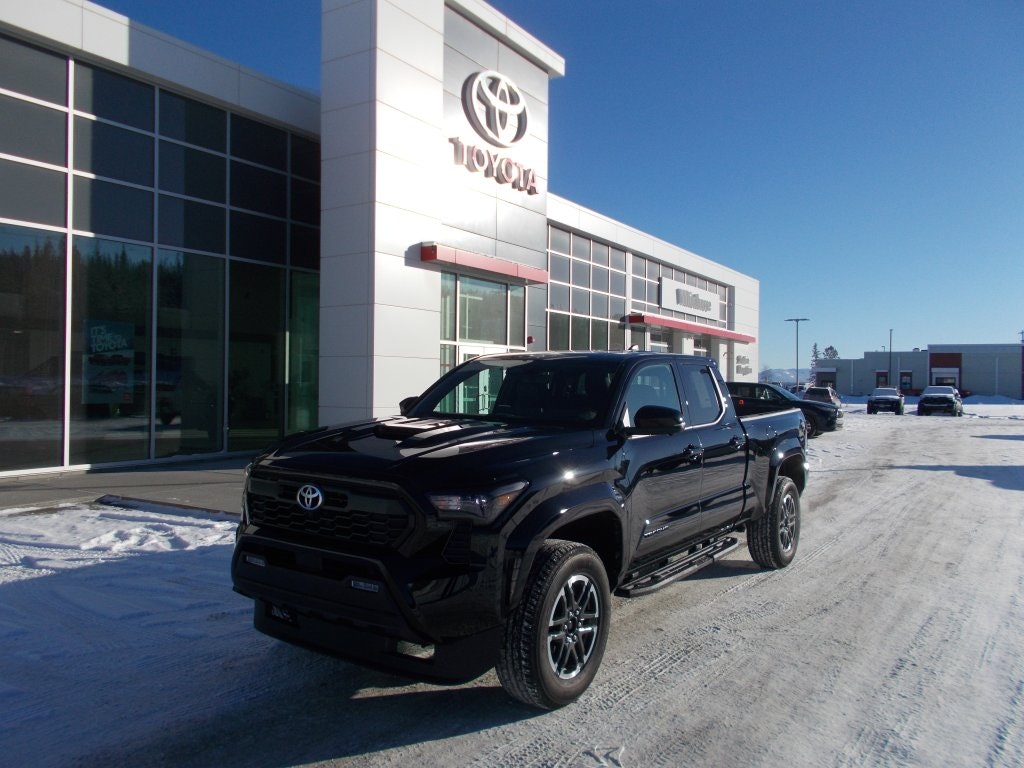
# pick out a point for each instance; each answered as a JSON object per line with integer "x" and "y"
{"x": 555, "y": 639}
{"x": 772, "y": 539}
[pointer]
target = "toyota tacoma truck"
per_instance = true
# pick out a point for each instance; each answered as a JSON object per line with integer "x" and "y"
{"x": 885, "y": 399}
{"x": 489, "y": 523}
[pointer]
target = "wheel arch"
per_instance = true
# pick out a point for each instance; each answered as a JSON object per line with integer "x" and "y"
{"x": 595, "y": 521}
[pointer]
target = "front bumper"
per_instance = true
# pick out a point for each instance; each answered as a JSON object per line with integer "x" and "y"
{"x": 941, "y": 406}
{"x": 420, "y": 617}
{"x": 885, "y": 405}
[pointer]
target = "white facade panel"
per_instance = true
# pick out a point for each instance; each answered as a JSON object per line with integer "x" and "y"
{"x": 355, "y": 71}
{"x": 346, "y": 230}
{"x": 404, "y": 36}
{"x": 346, "y": 131}
{"x": 346, "y": 29}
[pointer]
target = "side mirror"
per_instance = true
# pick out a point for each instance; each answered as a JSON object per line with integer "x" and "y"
{"x": 656, "y": 420}
{"x": 406, "y": 404}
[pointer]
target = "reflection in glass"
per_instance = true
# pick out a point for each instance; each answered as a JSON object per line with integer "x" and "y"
{"x": 303, "y": 351}
{"x": 256, "y": 356}
{"x": 32, "y": 194}
{"x": 517, "y": 316}
{"x": 558, "y": 331}
{"x": 189, "y": 354}
{"x": 32, "y": 131}
{"x": 192, "y": 121}
{"x": 580, "y": 333}
{"x": 483, "y": 311}
{"x": 27, "y": 69}
{"x": 110, "y": 346}
{"x": 113, "y": 209}
{"x": 115, "y": 97}
{"x": 192, "y": 172}
{"x": 191, "y": 224}
{"x": 31, "y": 348}
{"x": 447, "y": 306}
{"x": 107, "y": 150}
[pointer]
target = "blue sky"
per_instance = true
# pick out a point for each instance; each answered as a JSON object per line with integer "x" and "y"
{"x": 864, "y": 161}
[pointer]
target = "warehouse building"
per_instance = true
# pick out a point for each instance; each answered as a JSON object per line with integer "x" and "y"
{"x": 974, "y": 369}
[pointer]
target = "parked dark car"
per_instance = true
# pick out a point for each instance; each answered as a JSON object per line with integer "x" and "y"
{"x": 940, "y": 399}
{"x": 823, "y": 395}
{"x": 755, "y": 397}
{"x": 886, "y": 399}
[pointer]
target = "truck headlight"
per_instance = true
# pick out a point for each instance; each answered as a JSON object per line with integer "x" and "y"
{"x": 480, "y": 506}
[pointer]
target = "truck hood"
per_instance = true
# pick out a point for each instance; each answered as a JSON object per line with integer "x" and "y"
{"x": 423, "y": 450}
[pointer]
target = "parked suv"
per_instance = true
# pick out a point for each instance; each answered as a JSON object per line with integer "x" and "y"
{"x": 938, "y": 398}
{"x": 886, "y": 399}
{"x": 823, "y": 395}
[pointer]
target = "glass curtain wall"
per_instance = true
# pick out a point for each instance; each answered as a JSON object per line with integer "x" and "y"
{"x": 189, "y": 237}
{"x": 255, "y": 356}
{"x": 479, "y": 317}
{"x": 303, "y": 351}
{"x": 586, "y": 293}
{"x": 31, "y": 348}
{"x": 110, "y": 351}
{"x": 189, "y": 354}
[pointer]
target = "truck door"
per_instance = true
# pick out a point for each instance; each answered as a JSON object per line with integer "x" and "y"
{"x": 661, "y": 473}
{"x": 724, "y": 443}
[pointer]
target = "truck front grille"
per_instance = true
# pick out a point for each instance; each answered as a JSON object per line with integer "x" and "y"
{"x": 347, "y": 513}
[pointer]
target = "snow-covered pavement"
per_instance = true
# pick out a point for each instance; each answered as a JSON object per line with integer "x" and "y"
{"x": 119, "y": 629}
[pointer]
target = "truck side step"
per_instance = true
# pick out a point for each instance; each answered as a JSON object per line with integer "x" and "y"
{"x": 680, "y": 568}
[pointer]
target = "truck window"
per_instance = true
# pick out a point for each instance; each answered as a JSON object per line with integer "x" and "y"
{"x": 651, "y": 385}
{"x": 702, "y": 399}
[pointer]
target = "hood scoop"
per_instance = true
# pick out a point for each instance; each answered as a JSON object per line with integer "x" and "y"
{"x": 404, "y": 429}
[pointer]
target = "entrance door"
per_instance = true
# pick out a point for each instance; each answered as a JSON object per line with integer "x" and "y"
{"x": 478, "y": 393}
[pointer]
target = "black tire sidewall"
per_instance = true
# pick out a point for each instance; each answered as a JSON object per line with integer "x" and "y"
{"x": 583, "y": 561}
{"x": 763, "y": 534}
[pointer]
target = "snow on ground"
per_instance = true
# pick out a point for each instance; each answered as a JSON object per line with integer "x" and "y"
{"x": 116, "y": 624}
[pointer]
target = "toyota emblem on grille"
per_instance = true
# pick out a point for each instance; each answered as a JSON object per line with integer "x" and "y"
{"x": 310, "y": 498}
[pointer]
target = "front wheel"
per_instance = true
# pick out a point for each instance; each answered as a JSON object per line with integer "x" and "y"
{"x": 555, "y": 639}
{"x": 772, "y": 538}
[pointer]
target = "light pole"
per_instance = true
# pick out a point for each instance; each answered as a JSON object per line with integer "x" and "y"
{"x": 889, "y": 374}
{"x": 797, "y": 320}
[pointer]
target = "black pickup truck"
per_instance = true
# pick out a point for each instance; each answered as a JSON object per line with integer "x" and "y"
{"x": 488, "y": 524}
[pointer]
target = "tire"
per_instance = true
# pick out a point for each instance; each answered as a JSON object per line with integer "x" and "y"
{"x": 772, "y": 539}
{"x": 555, "y": 638}
{"x": 870, "y": 410}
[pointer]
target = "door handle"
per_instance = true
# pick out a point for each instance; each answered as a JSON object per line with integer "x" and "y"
{"x": 738, "y": 443}
{"x": 693, "y": 454}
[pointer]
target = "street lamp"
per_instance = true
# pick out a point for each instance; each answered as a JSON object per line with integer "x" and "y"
{"x": 889, "y": 373}
{"x": 797, "y": 320}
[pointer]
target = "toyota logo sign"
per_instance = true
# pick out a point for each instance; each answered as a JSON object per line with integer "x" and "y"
{"x": 310, "y": 498}
{"x": 496, "y": 107}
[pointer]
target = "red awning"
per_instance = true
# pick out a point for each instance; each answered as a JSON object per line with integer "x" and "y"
{"x": 638, "y": 318}
{"x": 480, "y": 263}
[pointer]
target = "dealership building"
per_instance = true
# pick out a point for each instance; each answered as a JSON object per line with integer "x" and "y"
{"x": 196, "y": 259}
